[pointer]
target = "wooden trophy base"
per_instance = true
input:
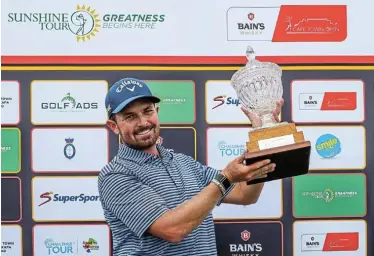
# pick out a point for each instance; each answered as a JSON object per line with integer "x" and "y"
{"x": 284, "y": 146}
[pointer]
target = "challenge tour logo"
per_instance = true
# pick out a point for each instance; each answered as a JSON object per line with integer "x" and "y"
{"x": 83, "y": 23}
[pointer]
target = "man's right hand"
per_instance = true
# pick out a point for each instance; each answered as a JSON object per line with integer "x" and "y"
{"x": 237, "y": 171}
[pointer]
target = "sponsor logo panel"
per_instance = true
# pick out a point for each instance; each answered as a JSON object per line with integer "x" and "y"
{"x": 251, "y": 23}
{"x": 328, "y": 101}
{"x": 66, "y": 199}
{"x": 330, "y": 237}
{"x": 224, "y": 145}
{"x": 249, "y": 238}
{"x": 12, "y": 199}
{"x": 288, "y": 23}
{"x": 84, "y": 22}
{"x": 69, "y": 150}
{"x": 10, "y": 150}
{"x": 324, "y": 195}
{"x": 334, "y": 147}
{"x": 311, "y": 23}
{"x": 71, "y": 240}
{"x": 10, "y": 102}
{"x": 11, "y": 240}
{"x": 222, "y": 104}
{"x": 330, "y": 242}
{"x": 68, "y": 102}
{"x": 177, "y": 104}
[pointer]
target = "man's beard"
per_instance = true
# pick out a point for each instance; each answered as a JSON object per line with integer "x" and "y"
{"x": 144, "y": 144}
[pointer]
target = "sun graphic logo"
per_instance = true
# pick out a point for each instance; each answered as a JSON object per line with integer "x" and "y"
{"x": 84, "y": 23}
{"x": 328, "y": 195}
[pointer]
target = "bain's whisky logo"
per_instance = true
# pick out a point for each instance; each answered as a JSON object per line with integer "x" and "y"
{"x": 247, "y": 247}
{"x": 84, "y": 22}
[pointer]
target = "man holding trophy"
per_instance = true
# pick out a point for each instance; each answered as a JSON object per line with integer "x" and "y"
{"x": 159, "y": 202}
{"x": 259, "y": 87}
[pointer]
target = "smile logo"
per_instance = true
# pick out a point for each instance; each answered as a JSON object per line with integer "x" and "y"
{"x": 328, "y": 146}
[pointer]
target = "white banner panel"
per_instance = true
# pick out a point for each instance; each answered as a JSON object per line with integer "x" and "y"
{"x": 328, "y": 101}
{"x": 332, "y": 237}
{"x": 68, "y": 102}
{"x": 11, "y": 240}
{"x": 336, "y": 147}
{"x": 66, "y": 199}
{"x": 78, "y": 240}
{"x": 187, "y": 28}
{"x": 69, "y": 149}
{"x": 225, "y": 144}
{"x": 10, "y": 102}
{"x": 222, "y": 105}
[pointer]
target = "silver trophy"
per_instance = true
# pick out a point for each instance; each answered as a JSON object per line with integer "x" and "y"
{"x": 258, "y": 86}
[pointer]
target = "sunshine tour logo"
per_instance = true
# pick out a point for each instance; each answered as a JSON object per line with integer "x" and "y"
{"x": 84, "y": 22}
{"x": 69, "y": 104}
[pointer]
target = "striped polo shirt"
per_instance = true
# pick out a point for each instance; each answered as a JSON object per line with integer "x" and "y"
{"x": 136, "y": 188}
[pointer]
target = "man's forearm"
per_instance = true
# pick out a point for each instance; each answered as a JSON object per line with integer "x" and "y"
{"x": 177, "y": 223}
{"x": 191, "y": 214}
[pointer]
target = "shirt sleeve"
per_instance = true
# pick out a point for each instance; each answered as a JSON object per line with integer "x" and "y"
{"x": 134, "y": 203}
{"x": 207, "y": 174}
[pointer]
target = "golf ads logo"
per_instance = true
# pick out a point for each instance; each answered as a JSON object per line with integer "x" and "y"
{"x": 85, "y": 22}
{"x": 68, "y": 103}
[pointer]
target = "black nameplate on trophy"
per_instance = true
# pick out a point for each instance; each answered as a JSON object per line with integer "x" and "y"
{"x": 291, "y": 160}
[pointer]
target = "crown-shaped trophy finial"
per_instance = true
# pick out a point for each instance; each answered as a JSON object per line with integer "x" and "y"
{"x": 250, "y": 53}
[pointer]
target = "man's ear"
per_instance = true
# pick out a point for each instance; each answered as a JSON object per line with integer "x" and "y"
{"x": 157, "y": 108}
{"x": 113, "y": 126}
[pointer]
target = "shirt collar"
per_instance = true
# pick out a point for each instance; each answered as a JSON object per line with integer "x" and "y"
{"x": 127, "y": 153}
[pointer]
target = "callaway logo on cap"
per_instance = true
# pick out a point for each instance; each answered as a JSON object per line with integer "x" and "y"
{"x": 125, "y": 91}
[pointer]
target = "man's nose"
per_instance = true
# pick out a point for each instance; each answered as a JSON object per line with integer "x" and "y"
{"x": 143, "y": 120}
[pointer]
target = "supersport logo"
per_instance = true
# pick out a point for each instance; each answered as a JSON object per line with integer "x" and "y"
{"x": 65, "y": 199}
{"x": 47, "y": 196}
{"x": 222, "y": 100}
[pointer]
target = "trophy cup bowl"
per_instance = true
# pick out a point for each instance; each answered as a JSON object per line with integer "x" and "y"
{"x": 258, "y": 86}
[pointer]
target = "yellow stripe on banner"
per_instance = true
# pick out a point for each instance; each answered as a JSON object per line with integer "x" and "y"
{"x": 174, "y": 68}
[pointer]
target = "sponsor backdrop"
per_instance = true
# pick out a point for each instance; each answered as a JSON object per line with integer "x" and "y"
{"x": 54, "y": 140}
{"x": 52, "y": 153}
